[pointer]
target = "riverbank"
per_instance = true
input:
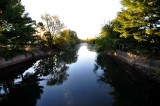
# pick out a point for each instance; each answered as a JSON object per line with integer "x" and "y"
{"x": 23, "y": 58}
{"x": 147, "y": 67}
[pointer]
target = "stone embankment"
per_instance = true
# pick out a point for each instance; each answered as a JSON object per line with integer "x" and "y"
{"x": 22, "y": 58}
{"x": 146, "y": 66}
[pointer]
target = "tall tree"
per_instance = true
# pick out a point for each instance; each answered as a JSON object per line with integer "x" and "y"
{"x": 108, "y": 38}
{"x": 52, "y": 27}
{"x": 16, "y": 28}
{"x": 140, "y": 19}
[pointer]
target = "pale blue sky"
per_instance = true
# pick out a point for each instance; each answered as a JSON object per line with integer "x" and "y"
{"x": 86, "y": 17}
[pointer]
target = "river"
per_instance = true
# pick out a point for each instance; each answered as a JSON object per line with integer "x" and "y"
{"x": 80, "y": 77}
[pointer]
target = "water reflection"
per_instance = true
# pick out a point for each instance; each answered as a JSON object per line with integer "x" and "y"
{"x": 128, "y": 89}
{"x": 54, "y": 68}
{"x": 56, "y": 81}
{"x": 27, "y": 91}
{"x": 21, "y": 85}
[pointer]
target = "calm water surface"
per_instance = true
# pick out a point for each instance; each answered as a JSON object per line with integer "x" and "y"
{"x": 80, "y": 77}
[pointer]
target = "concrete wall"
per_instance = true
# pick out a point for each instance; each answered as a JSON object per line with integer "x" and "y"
{"x": 21, "y": 58}
{"x": 149, "y": 67}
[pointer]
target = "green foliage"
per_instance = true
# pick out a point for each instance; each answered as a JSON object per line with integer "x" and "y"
{"x": 53, "y": 35}
{"x": 136, "y": 28}
{"x": 140, "y": 19}
{"x": 67, "y": 40}
{"x": 16, "y": 28}
{"x": 9, "y": 54}
{"x": 108, "y": 38}
{"x": 52, "y": 28}
{"x": 91, "y": 40}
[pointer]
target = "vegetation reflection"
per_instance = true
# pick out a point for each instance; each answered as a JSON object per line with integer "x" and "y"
{"x": 26, "y": 91}
{"x": 20, "y": 87}
{"x": 55, "y": 67}
{"x": 128, "y": 91}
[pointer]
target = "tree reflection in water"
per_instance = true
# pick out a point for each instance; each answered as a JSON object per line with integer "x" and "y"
{"x": 129, "y": 90}
{"x": 90, "y": 47}
{"x": 19, "y": 88}
{"x": 24, "y": 92}
{"x": 55, "y": 67}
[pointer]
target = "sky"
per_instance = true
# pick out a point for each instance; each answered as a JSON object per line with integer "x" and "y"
{"x": 86, "y": 17}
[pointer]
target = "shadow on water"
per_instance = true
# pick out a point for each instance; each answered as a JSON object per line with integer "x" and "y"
{"x": 129, "y": 89}
{"x": 20, "y": 85}
{"x": 23, "y": 92}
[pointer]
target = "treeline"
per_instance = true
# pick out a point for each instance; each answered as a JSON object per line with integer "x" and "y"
{"x": 136, "y": 29}
{"x": 20, "y": 34}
